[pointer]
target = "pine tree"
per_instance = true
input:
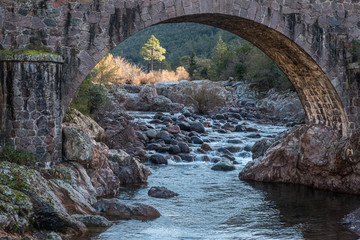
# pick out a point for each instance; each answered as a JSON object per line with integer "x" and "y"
{"x": 192, "y": 65}
{"x": 152, "y": 51}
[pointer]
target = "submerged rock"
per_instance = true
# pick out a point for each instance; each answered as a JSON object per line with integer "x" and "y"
{"x": 224, "y": 165}
{"x": 161, "y": 192}
{"x": 115, "y": 209}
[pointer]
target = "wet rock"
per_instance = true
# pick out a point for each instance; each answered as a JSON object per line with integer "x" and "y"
{"x": 128, "y": 169}
{"x": 260, "y": 147}
{"x": 53, "y": 236}
{"x": 220, "y": 117}
{"x": 174, "y": 149}
{"x": 206, "y": 147}
{"x": 254, "y": 136}
{"x": 187, "y": 157}
{"x": 115, "y": 209}
{"x": 184, "y": 148}
{"x": 158, "y": 159}
{"x": 161, "y": 192}
{"x": 197, "y": 140}
{"x": 151, "y": 133}
{"x": 205, "y": 158}
{"x": 224, "y": 150}
{"x": 173, "y": 129}
{"x": 234, "y": 141}
{"x": 231, "y": 158}
{"x": 154, "y": 146}
{"x": 240, "y": 128}
{"x": 93, "y": 221}
{"x": 164, "y": 135}
{"x": 247, "y": 148}
{"x": 215, "y": 159}
{"x": 233, "y": 148}
{"x": 197, "y": 127}
{"x": 184, "y": 126}
{"x": 200, "y": 150}
{"x": 224, "y": 165}
{"x": 77, "y": 146}
{"x": 236, "y": 115}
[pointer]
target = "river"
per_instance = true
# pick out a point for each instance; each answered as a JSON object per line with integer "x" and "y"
{"x": 217, "y": 205}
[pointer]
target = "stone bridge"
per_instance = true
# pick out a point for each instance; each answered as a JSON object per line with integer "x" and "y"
{"x": 314, "y": 42}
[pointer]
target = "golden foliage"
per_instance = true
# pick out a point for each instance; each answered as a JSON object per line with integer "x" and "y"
{"x": 116, "y": 70}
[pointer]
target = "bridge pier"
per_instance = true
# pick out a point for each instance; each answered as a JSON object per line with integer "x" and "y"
{"x": 30, "y": 104}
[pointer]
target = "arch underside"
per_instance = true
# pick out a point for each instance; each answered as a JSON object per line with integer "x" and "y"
{"x": 318, "y": 96}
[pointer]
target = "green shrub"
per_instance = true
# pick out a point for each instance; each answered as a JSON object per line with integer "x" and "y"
{"x": 89, "y": 98}
{"x": 19, "y": 157}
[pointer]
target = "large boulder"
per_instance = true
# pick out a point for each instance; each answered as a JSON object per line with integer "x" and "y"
{"x": 16, "y": 210}
{"x": 128, "y": 169}
{"x": 158, "y": 159}
{"x": 312, "y": 155}
{"x": 115, "y": 209}
{"x": 47, "y": 209}
{"x": 260, "y": 147}
{"x": 77, "y": 146}
{"x": 86, "y": 123}
{"x": 197, "y": 127}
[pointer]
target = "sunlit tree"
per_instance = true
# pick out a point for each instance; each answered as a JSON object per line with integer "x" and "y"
{"x": 152, "y": 51}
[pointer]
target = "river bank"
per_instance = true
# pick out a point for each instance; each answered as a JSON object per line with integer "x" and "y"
{"x": 216, "y": 124}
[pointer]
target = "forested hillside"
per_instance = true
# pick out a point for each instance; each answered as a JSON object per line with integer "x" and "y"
{"x": 179, "y": 40}
{"x": 206, "y": 53}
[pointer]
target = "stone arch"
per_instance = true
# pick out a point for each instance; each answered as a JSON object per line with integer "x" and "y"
{"x": 317, "y": 94}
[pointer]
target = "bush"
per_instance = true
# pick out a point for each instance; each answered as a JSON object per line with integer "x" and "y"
{"x": 89, "y": 98}
{"x": 19, "y": 157}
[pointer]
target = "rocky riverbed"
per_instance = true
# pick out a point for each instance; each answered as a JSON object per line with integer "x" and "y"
{"x": 101, "y": 157}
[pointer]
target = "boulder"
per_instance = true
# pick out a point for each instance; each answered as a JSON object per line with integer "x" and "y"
{"x": 158, "y": 159}
{"x": 147, "y": 94}
{"x": 224, "y": 165}
{"x": 151, "y": 133}
{"x": 128, "y": 169}
{"x": 77, "y": 146}
{"x": 206, "y": 147}
{"x": 184, "y": 148}
{"x": 173, "y": 129}
{"x": 93, "y": 221}
{"x": 115, "y": 209}
{"x": 185, "y": 126}
{"x": 161, "y": 192}
{"x": 197, "y": 127}
{"x": 260, "y": 147}
{"x": 197, "y": 140}
{"x": 87, "y": 124}
{"x": 312, "y": 155}
{"x": 47, "y": 209}
{"x": 164, "y": 135}
{"x": 187, "y": 157}
{"x": 174, "y": 149}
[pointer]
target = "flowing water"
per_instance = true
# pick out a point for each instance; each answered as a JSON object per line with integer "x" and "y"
{"x": 217, "y": 205}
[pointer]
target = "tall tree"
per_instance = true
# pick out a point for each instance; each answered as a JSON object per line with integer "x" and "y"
{"x": 192, "y": 65}
{"x": 152, "y": 51}
{"x": 105, "y": 70}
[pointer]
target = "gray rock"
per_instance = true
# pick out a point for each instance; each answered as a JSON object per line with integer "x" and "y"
{"x": 174, "y": 149}
{"x": 115, "y": 209}
{"x": 77, "y": 146}
{"x": 184, "y": 148}
{"x": 164, "y": 135}
{"x": 197, "y": 127}
{"x": 157, "y": 159}
{"x": 260, "y": 147}
{"x": 93, "y": 220}
{"x": 224, "y": 165}
{"x": 161, "y": 192}
{"x": 197, "y": 140}
{"x": 151, "y": 133}
{"x": 187, "y": 157}
{"x": 184, "y": 126}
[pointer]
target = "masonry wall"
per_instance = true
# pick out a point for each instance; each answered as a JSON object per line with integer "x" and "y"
{"x": 31, "y": 110}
